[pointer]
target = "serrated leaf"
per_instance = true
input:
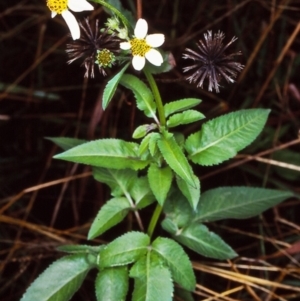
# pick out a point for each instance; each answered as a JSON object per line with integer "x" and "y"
{"x": 141, "y": 193}
{"x": 119, "y": 181}
{"x": 178, "y": 209}
{"x": 237, "y": 202}
{"x": 185, "y": 117}
{"x": 144, "y": 146}
{"x": 183, "y": 295}
{"x": 201, "y": 240}
{"x": 169, "y": 225}
{"x": 176, "y": 159}
{"x": 66, "y": 143}
{"x": 60, "y": 280}
{"x": 108, "y": 153}
{"x": 160, "y": 180}
{"x": 80, "y": 249}
{"x": 154, "y": 137}
{"x": 192, "y": 193}
{"x": 173, "y": 254}
{"x": 111, "y": 87}
{"x": 112, "y": 284}
{"x": 143, "y": 130}
{"x": 221, "y": 138}
{"x": 125, "y": 249}
{"x": 180, "y": 105}
{"x": 143, "y": 95}
{"x": 110, "y": 214}
{"x": 152, "y": 280}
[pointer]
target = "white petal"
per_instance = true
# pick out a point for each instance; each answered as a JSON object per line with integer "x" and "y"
{"x": 154, "y": 57}
{"x": 53, "y": 14}
{"x": 79, "y": 5}
{"x": 138, "y": 62}
{"x": 125, "y": 45}
{"x": 141, "y": 29}
{"x": 72, "y": 23}
{"x": 155, "y": 40}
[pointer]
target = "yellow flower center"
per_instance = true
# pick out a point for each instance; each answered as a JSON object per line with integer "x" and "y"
{"x": 105, "y": 58}
{"x": 139, "y": 47}
{"x": 57, "y": 6}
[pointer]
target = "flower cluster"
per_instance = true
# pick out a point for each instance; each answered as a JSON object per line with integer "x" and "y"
{"x": 103, "y": 47}
{"x": 142, "y": 46}
{"x": 211, "y": 62}
{"x": 95, "y": 47}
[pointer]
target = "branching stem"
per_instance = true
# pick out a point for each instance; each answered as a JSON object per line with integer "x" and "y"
{"x": 156, "y": 94}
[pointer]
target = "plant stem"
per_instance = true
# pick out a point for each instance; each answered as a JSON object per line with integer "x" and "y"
{"x": 156, "y": 94}
{"x": 162, "y": 121}
{"x": 137, "y": 215}
{"x": 154, "y": 220}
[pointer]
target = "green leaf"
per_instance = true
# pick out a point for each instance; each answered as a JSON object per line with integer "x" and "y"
{"x": 143, "y": 95}
{"x": 119, "y": 181}
{"x": 180, "y": 105}
{"x": 143, "y": 130}
{"x": 60, "y": 280}
{"x": 108, "y": 153}
{"x": 176, "y": 159}
{"x": 149, "y": 145}
{"x": 221, "y": 138}
{"x": 152, "y": 279}
{"x": 183, "y": 295}
{"x": 110, "y": 214}
{"x": 125, "y": 249}
{"x": 237, "y": 202}
{"x": 111, "y": 87}
{"x": 141, "y": 193}
{"x": 66, "y": 143}
{"x": 185, "y": 117}
{"x": 169, "y": 225}
{"x": 160, "y": 180}
{"x": 192, "y": 193}
{"x": 177, "y": 260}
{"x": 112, "y": 284}
{"x": 86, "y": 249}
{"x": 201, "y": 240}
{"x": 178, "y": 209}
{"x": 154, "y": 137}
{"x": 144, "y": 145}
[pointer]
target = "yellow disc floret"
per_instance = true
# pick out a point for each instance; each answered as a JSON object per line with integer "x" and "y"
{"x": 139, "y": 47}
{"x": 105, "y": 58}
{"x": 57, "y": 6}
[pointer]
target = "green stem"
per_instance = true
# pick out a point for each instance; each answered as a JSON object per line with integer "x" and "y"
{"x": 154, "y": 220}
{"x": 162, "y": 120}
{"x": 156, "y": 94}
{"x": 115, "y": 11}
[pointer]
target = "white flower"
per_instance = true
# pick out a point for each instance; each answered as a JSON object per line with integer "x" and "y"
{"x": 141, "y": 46}
{"x": 61, "y": 7}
